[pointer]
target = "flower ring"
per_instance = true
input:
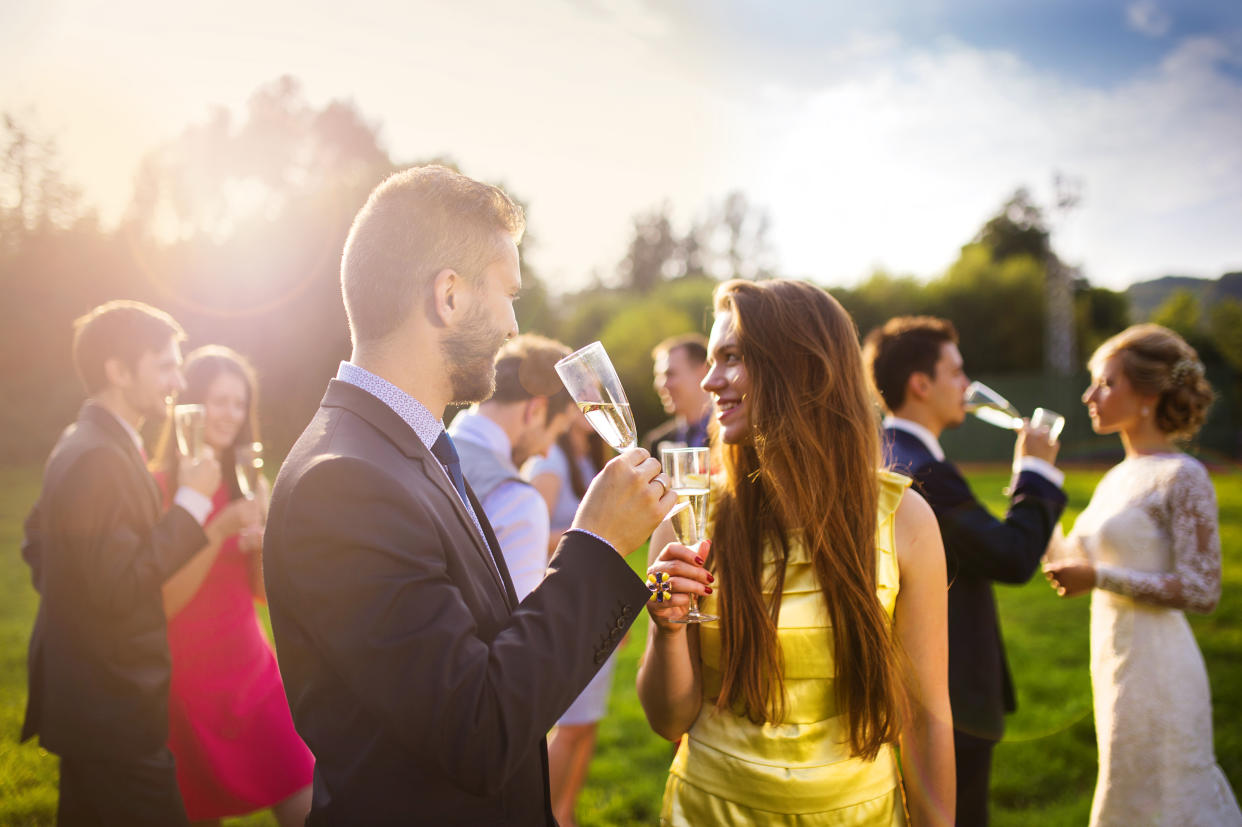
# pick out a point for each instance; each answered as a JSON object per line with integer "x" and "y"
{"x": 660, "y": 585}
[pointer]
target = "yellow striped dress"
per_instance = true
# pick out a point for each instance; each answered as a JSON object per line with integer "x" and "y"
{"x": 729, "y": 770}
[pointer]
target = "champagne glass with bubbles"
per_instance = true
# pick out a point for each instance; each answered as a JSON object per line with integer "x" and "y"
{"x": 189, "y": 422}
{"x": 592, "y": 381}
{"x": 248, "y": 465}
{"x": 995, "y": 409}
{"x": 689, "y": 470}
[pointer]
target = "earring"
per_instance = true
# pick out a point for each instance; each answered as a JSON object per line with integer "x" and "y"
{"x": 1146, "y": 411}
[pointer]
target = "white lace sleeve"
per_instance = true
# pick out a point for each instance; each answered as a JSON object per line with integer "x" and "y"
{"x": 1194, "y": 583}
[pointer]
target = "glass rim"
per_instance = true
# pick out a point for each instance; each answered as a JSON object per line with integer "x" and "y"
{"x": 189, "y": 406}
{"x": 689, "y": 449}
{"x": 579, "y": 353}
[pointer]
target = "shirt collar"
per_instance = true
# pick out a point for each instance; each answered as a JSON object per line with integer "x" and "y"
{"x": 915, "y": 429}
{"x": 130, "y": 430}
{"x": 472, "y": 426}
{"x": 412, "y": 412}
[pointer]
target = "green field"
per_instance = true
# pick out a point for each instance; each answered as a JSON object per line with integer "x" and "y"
{"x": 1044, "y": 770}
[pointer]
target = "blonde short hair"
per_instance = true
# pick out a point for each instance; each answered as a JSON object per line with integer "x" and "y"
{"x": 416, "y": 223}
{"x": 1160, "y": 363}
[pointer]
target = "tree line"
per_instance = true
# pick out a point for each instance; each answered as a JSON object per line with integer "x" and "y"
{"x": 236, "y": 227}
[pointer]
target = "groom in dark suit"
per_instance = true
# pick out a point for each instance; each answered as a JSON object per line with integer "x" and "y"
{"x": 100, "y": 546}
{"x": 423, "y": 687}
{"x": 918, "y": 374}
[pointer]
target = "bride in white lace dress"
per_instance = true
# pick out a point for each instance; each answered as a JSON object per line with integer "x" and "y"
{"x": 1147, "y": 547}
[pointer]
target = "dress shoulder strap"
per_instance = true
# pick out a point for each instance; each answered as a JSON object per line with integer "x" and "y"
{"x": 892, "y": 488}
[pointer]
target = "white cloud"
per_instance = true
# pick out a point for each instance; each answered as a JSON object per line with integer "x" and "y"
{"x": 1147, "y": 18}
{"x": 901, "y": 160}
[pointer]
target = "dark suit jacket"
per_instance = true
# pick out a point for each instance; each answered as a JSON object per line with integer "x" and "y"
{"x": 980, "y": 549}
{"x": 99, "y": 550}
{"x": 422, "y": 687}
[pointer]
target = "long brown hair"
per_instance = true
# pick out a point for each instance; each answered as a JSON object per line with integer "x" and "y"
{"x": 806, "y": 475}
{"x": 202, "y": 366}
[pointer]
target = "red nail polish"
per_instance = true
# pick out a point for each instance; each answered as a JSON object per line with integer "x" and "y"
{"x": 707, "y": 589}
{"x": 710, "y": 579}
{"x": 698, "y": 560}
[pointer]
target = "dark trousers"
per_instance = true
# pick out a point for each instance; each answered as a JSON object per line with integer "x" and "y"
{"x": 974, "y": 771}
{"x": 121, "y": 792}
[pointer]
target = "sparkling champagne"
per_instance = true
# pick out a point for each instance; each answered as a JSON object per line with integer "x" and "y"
{"x": 612, "y": 421}
{"x": 690, "y": 522}
{"x": 243, "y": 480}
{"x": 998, "y": 416}
{"x": 189, "y": 422}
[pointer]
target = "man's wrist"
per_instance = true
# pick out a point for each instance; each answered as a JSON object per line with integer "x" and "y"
{"x": 1042, "y": 467}
{"x": 592, "y": 534}
{"x": 196, "y": 503}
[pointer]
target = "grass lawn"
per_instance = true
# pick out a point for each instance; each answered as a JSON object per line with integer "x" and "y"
{"x": 1044, "y": 771}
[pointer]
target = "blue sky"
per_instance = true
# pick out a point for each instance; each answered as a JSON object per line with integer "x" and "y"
{"x": 1092, "y": 42}
{"x": 876, "y": 134}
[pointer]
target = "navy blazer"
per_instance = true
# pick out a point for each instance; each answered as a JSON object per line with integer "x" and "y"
{"x": 99, "y": 550}
{"x": 979, "y": 549}
{"x": 421, "y": 685}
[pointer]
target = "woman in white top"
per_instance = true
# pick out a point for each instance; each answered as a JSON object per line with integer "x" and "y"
{"x": 1147, "y": 547}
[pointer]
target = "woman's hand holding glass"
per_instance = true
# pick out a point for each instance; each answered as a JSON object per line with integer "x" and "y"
{"x": 680, "y": 568}
{"x": 689, "y": 469}
{"x": 237, "y": 517}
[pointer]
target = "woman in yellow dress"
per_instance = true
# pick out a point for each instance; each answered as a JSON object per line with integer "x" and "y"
{"x": 821, "y": 695}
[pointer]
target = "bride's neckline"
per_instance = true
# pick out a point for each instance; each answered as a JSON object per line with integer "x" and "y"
{"x": 1155, "y": 455}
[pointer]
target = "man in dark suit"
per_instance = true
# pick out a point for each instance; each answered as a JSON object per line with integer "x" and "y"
{"x": 679, "y": 364}
{"x": 918, "y": 373}
{"x": 100, "y": 548}
{"x": 423, "y": 687}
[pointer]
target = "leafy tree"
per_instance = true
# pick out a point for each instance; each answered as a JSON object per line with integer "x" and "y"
{"x": 651, "y": 254}
{"x": 218, "y": 175}
{"x": 1099, "y": 313}
{"x": 881, "y": 297}
{"x": 1018, "y": 229}
{"x": 997, "y": 305}
{"x": 1225, "y": 327}
{"x": 34, "y": 194}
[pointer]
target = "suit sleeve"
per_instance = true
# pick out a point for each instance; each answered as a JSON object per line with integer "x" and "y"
{"x": 375, "y": 596}
{"x": 32, "y": 547}
{"x": 120, "y": 561}
{"x": 978, "y": 544}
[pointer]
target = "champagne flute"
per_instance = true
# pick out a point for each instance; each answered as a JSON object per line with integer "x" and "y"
{"x": 189, "y": 422}
{"x": 991, "y": 407}
{"x": 1053, "y": 421}
{"x": 248, "y": 463}
{"x": 688, "y": 468}
{"x": 592, "y": 381}
{"x": 995, "y": 409}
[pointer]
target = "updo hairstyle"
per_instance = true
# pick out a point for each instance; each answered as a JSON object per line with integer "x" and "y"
{"x": 1159, "y": 363}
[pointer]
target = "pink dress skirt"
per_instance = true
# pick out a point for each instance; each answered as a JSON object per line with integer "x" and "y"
{"x": 229, "y": 723}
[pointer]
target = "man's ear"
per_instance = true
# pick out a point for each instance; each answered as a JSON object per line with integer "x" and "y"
{"x": 918, "y": 385}
{"x": 446, "y": 295}
{"x": 118, "y": 373}
{"x": 536, "y": 409}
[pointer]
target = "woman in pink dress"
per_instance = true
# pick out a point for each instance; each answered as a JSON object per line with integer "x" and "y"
{"x": 230, "y": 728}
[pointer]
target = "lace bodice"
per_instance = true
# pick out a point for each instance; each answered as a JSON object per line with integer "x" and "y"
{"x": 1151, "y": 530}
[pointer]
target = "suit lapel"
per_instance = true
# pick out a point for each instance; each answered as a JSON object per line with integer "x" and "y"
{"x": 388, "y": 422}
{"x": 497, "y": 554}
{"x": 106, "y": 422}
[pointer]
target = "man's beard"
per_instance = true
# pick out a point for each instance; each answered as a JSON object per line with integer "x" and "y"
{"x": 470, "y": 353}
